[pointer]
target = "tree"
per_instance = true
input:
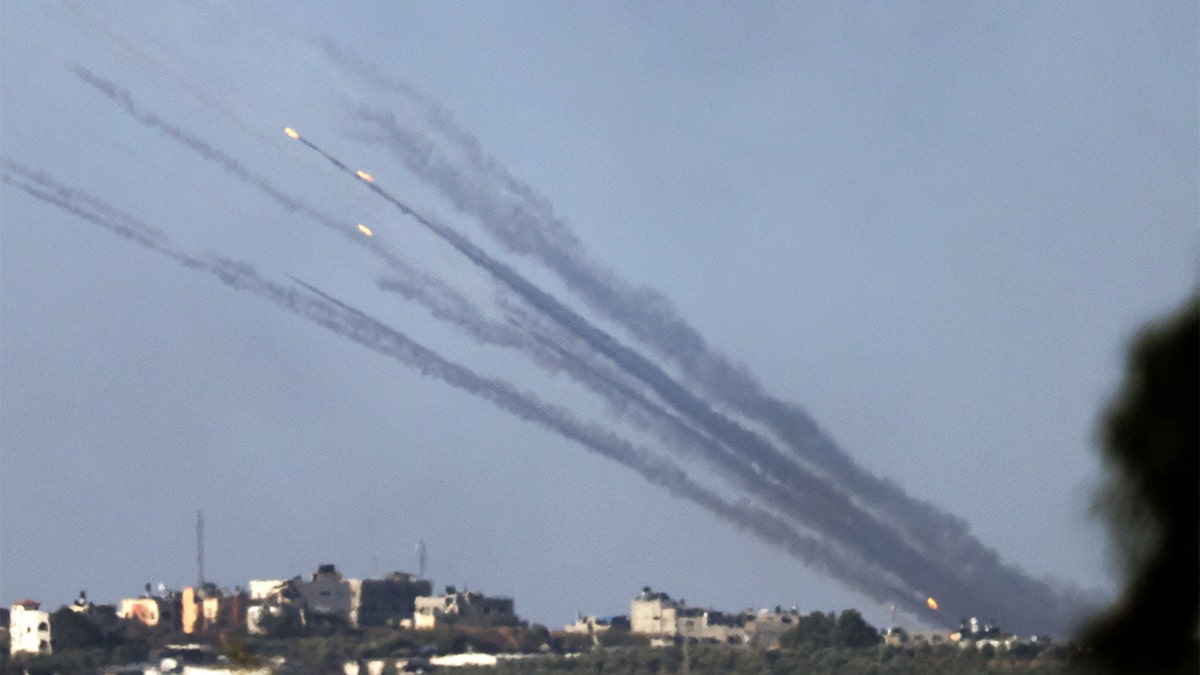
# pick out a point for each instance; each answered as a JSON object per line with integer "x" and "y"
{"x": 813, "y": 630}
{"x": 1151, "y": 448}
{"x": 71, "y": 630}
{"x": 853, "y": 631}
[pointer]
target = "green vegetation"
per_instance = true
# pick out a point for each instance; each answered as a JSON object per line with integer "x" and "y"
{"x": 820, "y": 643}
{"x": 848, "y": 630}
{"x": 880, "y": 660}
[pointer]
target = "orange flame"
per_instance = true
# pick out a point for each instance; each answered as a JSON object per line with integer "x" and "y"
{"x": 365, "y": 230}
{"x": 931, "y": 602}
{"x": 365, "y": 176}
{"x": 291, "y": 133}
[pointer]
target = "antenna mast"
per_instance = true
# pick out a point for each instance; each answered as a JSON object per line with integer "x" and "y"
{"x": 200, "y": 545}
{"x": 421, "y": 559}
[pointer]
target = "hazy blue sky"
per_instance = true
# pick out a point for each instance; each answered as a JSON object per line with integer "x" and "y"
{"x": 935, "y": 227}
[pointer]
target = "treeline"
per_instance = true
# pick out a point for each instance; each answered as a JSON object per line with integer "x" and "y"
{"x": 699, "y": 660}
{"x": 820, "y": 643}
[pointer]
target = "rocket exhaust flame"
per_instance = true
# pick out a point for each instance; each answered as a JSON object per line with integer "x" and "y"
{"x": 365, "y": 176}
{"x": 932, "y": 603}
{"x": 365, "y": 230}
{"x": 291, "y": 133}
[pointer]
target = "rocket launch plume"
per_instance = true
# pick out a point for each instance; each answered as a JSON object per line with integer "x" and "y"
{"x": 811, "y": 500}
{"x": 421, "y": 286}
{"x": 451, "y": 160}
{"x": 346, "y": 321}
{"x": 922, "y": 546}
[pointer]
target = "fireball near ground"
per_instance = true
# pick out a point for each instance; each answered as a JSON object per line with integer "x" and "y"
{"x": 793, "y": 306}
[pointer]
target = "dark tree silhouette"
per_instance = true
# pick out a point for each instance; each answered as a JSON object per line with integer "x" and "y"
{"x": 853, "y": 631}
{"x": 1151, "y": 499}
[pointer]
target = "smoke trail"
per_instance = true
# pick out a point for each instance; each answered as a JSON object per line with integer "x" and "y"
{"x": 413, "y": 282}
{"x": 525, "y": 223}
{"x": 338, "y": 317}
{"x": 811, "y": 504}
{"x": 649, "y": 317}
{"x": 91, "y": 209}
{"x": 441, "y": 300}
{"x": 1025, "y": 602}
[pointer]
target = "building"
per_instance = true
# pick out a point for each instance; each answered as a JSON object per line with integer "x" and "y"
{"x": 274, "y": 600}
{"x": 388, "y": 601}
{"x": 660, "y": 617}
{"x": 470, "y": 608}
{"x": 327, "y": 596}
{"x": 210, "y": 609}
{"x": 654, "y": 614}
{"x": 767, "y": 627}
{"x": 153, "y": 610}
{"x": 594, "y": 625}
{"x": 29, "y": 629}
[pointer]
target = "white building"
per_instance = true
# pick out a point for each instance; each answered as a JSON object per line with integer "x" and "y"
{"x": 654, "y": 614}
{"x": 469, "y": 607}
{"x": 28, "y": 629}
{"x": 660, "y": 617}
{"x": 328, "y": 595}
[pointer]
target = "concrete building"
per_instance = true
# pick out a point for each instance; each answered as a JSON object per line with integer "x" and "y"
{"x": 153, "y": 610}
{"x": 660, "y": 617}
{"x": 654, "y": 614}
{"x": 29, "y": 629}
{"x": 266, "y": 589}
{"x": 767, "y": 627}
{"x": 469, "y": 608}
{"x": 327, "y": 596}
{"x": 594, "y": 625}
{"x": 388, "y": 601}
{"x": 211, "y": 609}
{"x": 330, "y": 597}
{"x": 275, "y": 599}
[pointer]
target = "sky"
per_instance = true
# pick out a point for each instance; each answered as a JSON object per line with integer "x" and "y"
{"x": 934, "y": 228}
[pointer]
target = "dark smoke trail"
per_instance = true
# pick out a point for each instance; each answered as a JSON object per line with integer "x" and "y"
{"x": 813, "y": 501}
{"x": 340, "y": 318}
{"x": 650, "y": 317}
{"x": 432, "y": 291}
{"x": 872, "y": 539}
{"x": 425, "y": 287}
{"x": 442, "y": 301}
{"x": 525, "y": 223}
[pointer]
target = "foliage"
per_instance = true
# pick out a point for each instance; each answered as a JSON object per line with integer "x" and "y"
{"x": 875, "y": 660}
{"x": 235, "y": 650}
{"x": 71, "y": 630}
{"x": 620, "y": 637}
{"x": 817, "y": 630}
{"x": 853, "y": 631}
